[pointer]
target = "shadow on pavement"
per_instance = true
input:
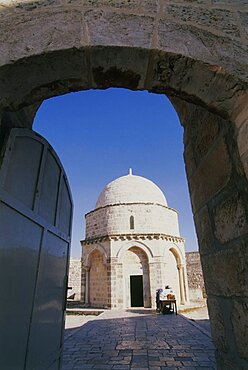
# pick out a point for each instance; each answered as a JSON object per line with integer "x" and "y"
{"x": 141, "y": 311}
{"x": 147, "y": 341}
{"x": 203, "y": 324}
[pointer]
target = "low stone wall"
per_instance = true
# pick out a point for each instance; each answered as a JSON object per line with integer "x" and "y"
{"x": 195, "y": 276}
{"x": 74, "y": 280}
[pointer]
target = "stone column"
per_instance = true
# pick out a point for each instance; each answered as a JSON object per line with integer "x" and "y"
{"x": 181, "y": 283}
{"x": 155, "y": 280}
{"x": 186, "y": 286}
{"x": 113, "y": 283}
{"x": 120, "y": 301}
{"x": 87, "y": 284}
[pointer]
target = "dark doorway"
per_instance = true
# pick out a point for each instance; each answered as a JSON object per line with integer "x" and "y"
{"x": 136, "y": 289}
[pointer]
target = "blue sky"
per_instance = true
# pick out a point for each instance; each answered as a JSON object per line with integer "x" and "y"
{"x": 99, "y": 134}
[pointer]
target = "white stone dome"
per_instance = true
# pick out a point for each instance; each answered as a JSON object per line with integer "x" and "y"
{"x": 131, "y": 189}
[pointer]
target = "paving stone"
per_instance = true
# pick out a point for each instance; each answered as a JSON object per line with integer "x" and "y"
{"x": 183, "y": 359}
{"x": 166, "y": 342}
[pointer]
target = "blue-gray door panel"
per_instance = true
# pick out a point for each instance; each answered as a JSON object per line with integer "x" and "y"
{"x": 19, "y": 258}
{"x": 48, "y": 306}
{"x": 35, "y": 227}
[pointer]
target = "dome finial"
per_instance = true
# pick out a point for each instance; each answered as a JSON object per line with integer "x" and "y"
{"x": 130, "y": 171}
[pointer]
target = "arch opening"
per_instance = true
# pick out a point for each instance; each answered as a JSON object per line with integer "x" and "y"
{"x": 98, "y": 281}
{"x": 179, "y": 279}
{"x": 211, "y": 84}
{"x": 136, "y": 278}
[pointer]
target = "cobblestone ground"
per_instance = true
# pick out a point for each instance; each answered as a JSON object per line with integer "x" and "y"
{"x": 137, "y": 340}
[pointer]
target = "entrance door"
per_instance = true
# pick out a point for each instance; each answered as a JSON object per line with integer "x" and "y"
{"x": 136, "y": 290}
{"x": 35, "y": 228}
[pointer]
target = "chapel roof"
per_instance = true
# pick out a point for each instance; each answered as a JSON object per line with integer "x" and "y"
{"x": 131, "y": 189}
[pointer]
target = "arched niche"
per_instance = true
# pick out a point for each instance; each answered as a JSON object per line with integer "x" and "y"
{"x": 129, "y": 244}
{"x": 136, "y": 273}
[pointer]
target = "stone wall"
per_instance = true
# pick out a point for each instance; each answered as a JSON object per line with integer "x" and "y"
{"x": 115, "y": 219}
{"x": 195, "y": 276}
{"x": 98, "y": 281}
{"x": 74, "y": 280}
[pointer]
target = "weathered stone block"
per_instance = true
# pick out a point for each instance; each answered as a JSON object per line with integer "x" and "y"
{"x": 150, "y": 6}
{"x": 244, "y": 160}
{"x": 220, "y": 19}
{"x": 211, "y": 176}
{"x": 29, "y": 5}
{"x": 108, "y": 28}
{"x": 198, "y": 124}
{"x": 243, "y": 139}
{"x": 175, "y": 75}
{"x": 230, "y": 2}
{"x": 240, "y": 110}
{"x": 218, "y": 324}
{"x": 244, "y": 20}
{"x": 205, "y": 45}
{"x": 174, "y": 37}
{"x": 230, "y": 219}
{"x": 204, "y": 231}
{"x": 190, "y": 163}
{"x": 58, "y": 30}
{"x": 190, "y": 2}
{"x": 225, "y": 273}
{"x": 131, "y": 5}
{"x": 205, "y": 137}
{"x": 46, "y": 77}
{"x": 119, "y": 67}
{"x": 126, "y": 4}
{"x": 240, "y": 326}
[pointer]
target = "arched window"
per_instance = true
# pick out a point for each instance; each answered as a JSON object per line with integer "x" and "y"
{"x": 131, "y": 222}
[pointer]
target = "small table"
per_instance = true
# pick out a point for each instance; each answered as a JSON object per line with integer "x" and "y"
{"x": 170, "y": 302}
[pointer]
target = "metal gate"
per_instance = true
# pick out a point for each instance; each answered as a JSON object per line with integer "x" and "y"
{"x": 35, "y": 229}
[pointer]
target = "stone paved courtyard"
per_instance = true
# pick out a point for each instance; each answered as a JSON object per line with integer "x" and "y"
{"x": 137, "y": 339}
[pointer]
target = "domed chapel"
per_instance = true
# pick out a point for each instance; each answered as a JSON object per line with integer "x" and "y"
{"x": 132, "y": 247}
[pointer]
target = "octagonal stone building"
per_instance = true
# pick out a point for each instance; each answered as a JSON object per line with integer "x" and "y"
{"x": 132, "y": 247}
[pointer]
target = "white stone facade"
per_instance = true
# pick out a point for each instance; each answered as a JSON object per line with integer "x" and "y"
{"x": 132, "y": 247}
{"x": 115, "y": 219}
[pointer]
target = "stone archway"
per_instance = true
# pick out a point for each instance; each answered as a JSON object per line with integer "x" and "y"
{"x": 136, "y": 267}
{"x": 129, "y": 244}
{"x": 98, "y": 281}
{"x": 181, "y": 283}
{"x": 95, "y": 282}
{"x": 197, "y": 55}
